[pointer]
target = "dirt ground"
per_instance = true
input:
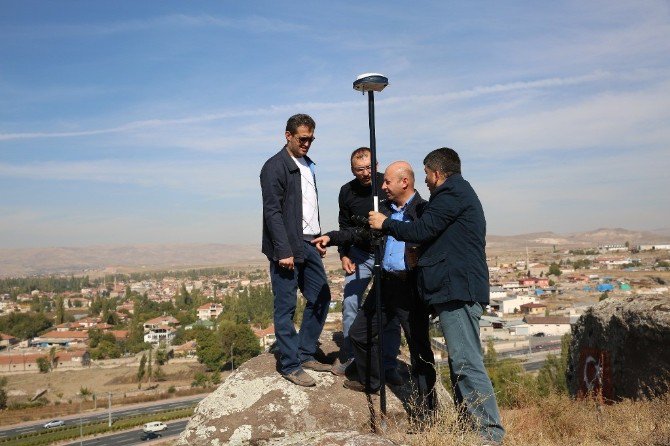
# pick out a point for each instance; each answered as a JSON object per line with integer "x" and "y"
{"x": 66, "y": 385}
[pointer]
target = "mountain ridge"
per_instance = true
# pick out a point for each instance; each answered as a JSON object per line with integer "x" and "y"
{"x": 124, "y": 258}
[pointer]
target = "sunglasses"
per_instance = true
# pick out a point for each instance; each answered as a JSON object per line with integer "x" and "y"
{"x": 306, "y": 139}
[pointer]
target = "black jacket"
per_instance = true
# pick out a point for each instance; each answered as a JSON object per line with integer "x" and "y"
{"x": 452, "y": 233}
{"x": 358, "y": 235}
{"x": 355, "y": 200}
{"x": 282, "y": 207}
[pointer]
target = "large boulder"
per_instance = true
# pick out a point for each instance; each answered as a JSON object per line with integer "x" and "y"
{"x": 256, "y": 405}
{"x": 621, "y": 349}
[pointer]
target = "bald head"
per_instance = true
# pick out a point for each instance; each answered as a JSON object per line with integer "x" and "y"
{"x": 399, "y": 182}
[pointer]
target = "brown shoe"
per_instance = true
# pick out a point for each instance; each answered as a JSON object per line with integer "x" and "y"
{"x": 357, "y": 386}
{"x": 316, "y": 366}
{"x": 300, "y": 378}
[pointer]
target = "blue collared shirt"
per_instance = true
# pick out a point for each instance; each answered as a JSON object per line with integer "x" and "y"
{"x": 394, "y": 253}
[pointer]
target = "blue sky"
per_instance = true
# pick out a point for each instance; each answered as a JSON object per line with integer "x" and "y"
{"x": 148, "y": 122}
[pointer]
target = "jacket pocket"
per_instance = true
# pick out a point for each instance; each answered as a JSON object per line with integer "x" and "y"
{"x": 434, "y": 273}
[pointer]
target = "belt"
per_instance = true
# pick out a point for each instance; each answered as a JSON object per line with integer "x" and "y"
{"x": 394, "y": 275}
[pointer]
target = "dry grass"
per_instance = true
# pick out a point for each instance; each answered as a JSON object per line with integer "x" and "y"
{"x": 558, "y": 420}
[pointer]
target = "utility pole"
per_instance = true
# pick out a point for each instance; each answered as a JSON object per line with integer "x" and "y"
{"x": 109, "y": 407}
{"x": 232, "y": 358}
{"x": 81, "y": 428}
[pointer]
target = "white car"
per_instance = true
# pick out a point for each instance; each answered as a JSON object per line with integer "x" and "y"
{"x": 154, "y": 426}
{"x": 54, "y": 423}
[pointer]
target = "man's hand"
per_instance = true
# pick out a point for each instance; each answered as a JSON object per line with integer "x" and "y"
{"x": 376, "y": 219}
{"x": 347, "y": 265}
{"x": 287, "y": 263}
{"x": 320, "y": 243}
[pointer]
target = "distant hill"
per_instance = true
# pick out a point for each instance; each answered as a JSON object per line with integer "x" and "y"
{"x": 106, "y": 259}
{"x": 96, "y": 260}
{"x": 601, "y": 236}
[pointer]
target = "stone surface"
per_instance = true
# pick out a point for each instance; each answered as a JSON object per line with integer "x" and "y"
{"x": 256, "y": 405}
{"x": 621, "y": 348}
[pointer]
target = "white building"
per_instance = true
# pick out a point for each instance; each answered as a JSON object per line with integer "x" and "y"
{"x": 209, "y": 311}
{"x": 549, "y": 325}
{"x": 507, "y": 305}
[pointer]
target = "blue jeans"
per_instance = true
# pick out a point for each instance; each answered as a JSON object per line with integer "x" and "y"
{"x": 354, "y": 288}
{"x": 310, "y": 278}
{"x": 473, "y": 392}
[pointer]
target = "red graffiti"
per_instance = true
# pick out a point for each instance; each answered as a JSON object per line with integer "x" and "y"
{"x": 594, "y": 374}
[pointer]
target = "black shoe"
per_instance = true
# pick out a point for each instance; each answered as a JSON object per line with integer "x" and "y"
{"x": 392, "y": 377}
{"x": 315, "y": 365}
{"x": 357, "y": 387}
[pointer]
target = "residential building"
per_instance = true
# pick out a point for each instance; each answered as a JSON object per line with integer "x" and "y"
{"x": 549, "y": 325}
{"x": 209, "y": 311}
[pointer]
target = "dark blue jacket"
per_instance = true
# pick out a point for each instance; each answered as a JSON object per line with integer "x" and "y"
{"x": 452, "y": 233}
{"x": 282, "y": 207}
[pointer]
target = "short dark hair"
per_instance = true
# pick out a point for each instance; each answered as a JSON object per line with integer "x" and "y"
{"x": 298, "y": 120}
{"x": 443, "y": 160}
{"x": 361, "y": 152}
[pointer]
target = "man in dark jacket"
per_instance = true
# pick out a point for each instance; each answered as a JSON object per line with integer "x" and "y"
{"x": 398, "y": 284}
{"x": 355, "y": 201}
{"x": 290, "y": 222}
{"x": 453, "y": 279}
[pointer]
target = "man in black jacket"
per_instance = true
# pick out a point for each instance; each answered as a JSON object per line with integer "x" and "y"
{"x": 398, "y": 290}
{"x": 290, "y": 222}
{"x": 355, "y": 201}
{"x": 453, "y": 278}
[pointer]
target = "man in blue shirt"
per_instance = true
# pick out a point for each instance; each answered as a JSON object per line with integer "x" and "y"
{"x": 453, "y": 279}
{"x": 398, "y": 284}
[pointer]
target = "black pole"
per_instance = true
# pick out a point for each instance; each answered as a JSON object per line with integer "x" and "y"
{"x": 377, "y": 265}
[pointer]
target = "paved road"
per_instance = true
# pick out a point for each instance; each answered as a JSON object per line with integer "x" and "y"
{"x": 143, "y": 409}
{"x": 132, "y": 437}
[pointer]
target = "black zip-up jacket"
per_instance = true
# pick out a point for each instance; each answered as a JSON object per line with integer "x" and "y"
{"x": 282, "y": 207}
{"x": 355, "y": 199}
{"x": 358, "y": 235}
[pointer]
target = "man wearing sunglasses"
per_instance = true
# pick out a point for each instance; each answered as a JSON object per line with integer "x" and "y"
{"x": 355, "y": 201}
{"x": 290, "y": 223}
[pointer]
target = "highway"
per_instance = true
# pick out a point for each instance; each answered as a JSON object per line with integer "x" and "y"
{"x": 132, "y": 437}
{"x": 100, "y": 415}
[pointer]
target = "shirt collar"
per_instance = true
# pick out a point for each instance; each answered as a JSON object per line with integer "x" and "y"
{"x": 404, "y": 206}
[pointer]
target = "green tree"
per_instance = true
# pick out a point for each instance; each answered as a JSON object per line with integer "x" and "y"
{"x": 161, "y": 357}
{"x": 85, "y": 392}
{"x": 150, "y": 365}
{"x": 603, "y": 296}
{"x": 52, "y": 357}
{"x": 3, "y": 393}
{"x": 216, "y": 347}
{"x": 141, "y": 370}
{"x": 43, "y": 364}
{"x": 199, "y": 380}
{"x": 552, "y": 377}
{"x": 512, "y": 386}
{"x": 60, "y": 310}
{"x": 24, "y": 325}
{"x": 554, "y": 269}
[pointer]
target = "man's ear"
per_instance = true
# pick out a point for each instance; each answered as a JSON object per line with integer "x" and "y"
{"x": 288, "y": 135}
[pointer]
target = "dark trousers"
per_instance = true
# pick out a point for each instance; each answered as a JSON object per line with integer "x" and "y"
{"x": 310, "y": 277}
{"x": 399, "y": 298}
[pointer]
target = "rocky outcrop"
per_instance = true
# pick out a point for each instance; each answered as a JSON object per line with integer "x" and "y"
{"x": 255, "y": 405}
{"x": 621, "y": 349}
